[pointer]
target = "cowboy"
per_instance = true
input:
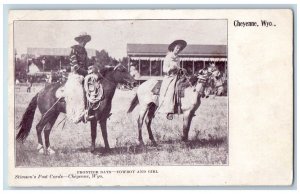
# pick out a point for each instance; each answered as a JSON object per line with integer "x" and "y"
{"x": 78, "y": 56}
{"x": 74, "y": 89}
{"x": 217, "y": 79}
{"x": 171, "y": 67}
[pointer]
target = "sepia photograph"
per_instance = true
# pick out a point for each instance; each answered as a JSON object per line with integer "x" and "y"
{"x": 120, "y": 93}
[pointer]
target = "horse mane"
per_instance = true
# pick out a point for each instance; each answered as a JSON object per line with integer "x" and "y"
{"x": 186, "y": 82}
{"x": 193, "y": 80}
{"x": 103, "y": 71}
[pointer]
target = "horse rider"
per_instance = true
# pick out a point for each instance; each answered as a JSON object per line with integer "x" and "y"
{"x": 171, "y": 68}
{"x": 79, "y": 65}
{"x": 217, "y": 79}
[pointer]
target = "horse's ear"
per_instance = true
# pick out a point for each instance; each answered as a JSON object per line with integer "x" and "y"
{"x": 117, "y": 66}
{"x": 109, "y": 68}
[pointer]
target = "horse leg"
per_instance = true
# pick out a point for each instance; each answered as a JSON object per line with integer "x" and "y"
{"x": 39, "y": 128}
{"x": 93, "y": 134}
{"x": 140, "y": 121}
{"x": 148, "y": 120}
{"x": 187, "y": 119}
{"x": 104, "y": 133}
{"x": 47, "y": 131}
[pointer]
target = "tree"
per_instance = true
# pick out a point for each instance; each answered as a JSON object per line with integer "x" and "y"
{"x": 103, "y": 58}
{"x": 113, "y": 62}
{"x": 124, "y": 61}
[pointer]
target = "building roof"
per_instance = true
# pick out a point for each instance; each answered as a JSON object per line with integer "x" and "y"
{"x": 56, "y": 51}
{"x": 190, "y": 50}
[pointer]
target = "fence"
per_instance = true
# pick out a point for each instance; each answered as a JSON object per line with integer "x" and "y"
{"x": 22, "y": 87}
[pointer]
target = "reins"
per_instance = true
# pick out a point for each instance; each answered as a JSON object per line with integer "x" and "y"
{"x": 51, "y": 107}
{"x": 104, "y": 78}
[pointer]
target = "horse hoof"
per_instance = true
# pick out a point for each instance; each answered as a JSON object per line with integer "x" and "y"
{"x": 93, "y": 149}
{"x": 40, "y": 149}
{"x": 154, "y": 144}
{"x": 40, "y": 146}
{"x": 142, "y": 144}
{"x": 170, "y": 116}
{"x": 50, "y": 151}
{"x": 184, "y": 139}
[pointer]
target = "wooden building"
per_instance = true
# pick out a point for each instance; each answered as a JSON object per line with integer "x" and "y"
{"x": 148, "y": 58}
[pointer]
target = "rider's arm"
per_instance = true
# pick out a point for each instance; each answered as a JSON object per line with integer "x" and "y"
{"x": 74, "y": 63}
{"x": 170, "y": 66}
{"x": 73, "y": 60}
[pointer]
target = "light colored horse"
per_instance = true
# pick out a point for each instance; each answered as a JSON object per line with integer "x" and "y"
{"x": 149, "y": 104}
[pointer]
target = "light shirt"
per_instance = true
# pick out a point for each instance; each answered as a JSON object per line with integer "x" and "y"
{"x": 171, "y": 62}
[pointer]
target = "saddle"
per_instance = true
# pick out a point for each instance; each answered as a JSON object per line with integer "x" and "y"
{"x": 181, "y": 85}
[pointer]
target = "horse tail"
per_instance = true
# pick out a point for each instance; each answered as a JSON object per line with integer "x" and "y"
{"x": 26, "y": 122}
{"x": 133, "y": 104}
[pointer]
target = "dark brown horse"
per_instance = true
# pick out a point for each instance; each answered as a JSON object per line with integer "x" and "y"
{"x": 50, "y": 107}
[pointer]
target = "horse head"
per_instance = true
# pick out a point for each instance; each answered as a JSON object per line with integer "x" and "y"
{"x": 117, "y": 74}
{"x": 201, "y": 83}
{"x": 122, "y": 75}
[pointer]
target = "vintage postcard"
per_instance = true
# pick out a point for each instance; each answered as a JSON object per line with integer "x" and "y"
{"x": 150, "y": 97}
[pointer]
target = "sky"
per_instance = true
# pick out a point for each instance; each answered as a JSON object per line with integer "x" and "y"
{"x": 113, "y": 36}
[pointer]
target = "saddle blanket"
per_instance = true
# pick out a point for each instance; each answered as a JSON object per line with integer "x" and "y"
{"x": 180, "y": 87}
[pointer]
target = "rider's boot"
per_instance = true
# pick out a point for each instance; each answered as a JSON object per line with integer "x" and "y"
{"x": 87, "y": 117}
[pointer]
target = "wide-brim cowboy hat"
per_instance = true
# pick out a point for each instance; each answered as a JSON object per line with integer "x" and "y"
{"x": 83, "y": 36}
{"x": 181, "y": 43}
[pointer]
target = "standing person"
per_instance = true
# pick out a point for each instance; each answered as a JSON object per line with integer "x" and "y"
{"x": 170, "y": 68}
{"x": 29, "y": 82}
{"x": 76, "y": 105}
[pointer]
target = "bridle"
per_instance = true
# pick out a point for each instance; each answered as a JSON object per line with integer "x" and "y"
{"x": 114, "y": 69}
{"x": 202, "y": 79}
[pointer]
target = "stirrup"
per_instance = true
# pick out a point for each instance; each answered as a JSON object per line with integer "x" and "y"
{"x": 170, "y": 116}
{"x": 87, "y": 117}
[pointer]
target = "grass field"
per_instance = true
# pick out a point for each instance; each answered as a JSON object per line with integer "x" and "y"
{"x": 207, "y": 146}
